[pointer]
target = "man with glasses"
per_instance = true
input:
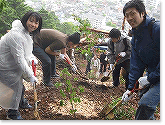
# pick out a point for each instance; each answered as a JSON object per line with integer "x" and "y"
{"x": 145, "y": 55}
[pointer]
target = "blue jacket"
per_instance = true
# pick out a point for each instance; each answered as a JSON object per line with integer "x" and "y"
{"x": 145, "y": 53}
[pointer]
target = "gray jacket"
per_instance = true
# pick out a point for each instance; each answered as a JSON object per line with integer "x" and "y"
{"x": 118, "y": 47}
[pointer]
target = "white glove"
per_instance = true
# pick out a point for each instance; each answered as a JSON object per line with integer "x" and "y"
{"x": 143, "y": 81}
{"x": 74, "y": 68}
{"x": 106, "y": 58}
{"x": 122, "y": 54}
{"x": 126, "y": 96}
{"x": 35, "y": 60}
{"x": 62, "y": 56}
{"x": 111, "y": 66}
{"x": 33, "y": 80}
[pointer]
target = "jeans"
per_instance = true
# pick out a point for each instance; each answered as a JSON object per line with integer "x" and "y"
{"x": 116, "y": 73}
{"x": 148, "y": 103}
{"x": 48, "y": 63}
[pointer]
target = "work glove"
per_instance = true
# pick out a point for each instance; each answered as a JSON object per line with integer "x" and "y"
{"x": 74, "y": 68}
{"x": 62, "y": 56}
{"x": 111, "y": 66}
{"x": 33, "y": 80}
{"x": 35, "y": 60}
{"x": 143, "y": 82}
{"x": 126, "y": 96}
{"x": 122, "y": 54}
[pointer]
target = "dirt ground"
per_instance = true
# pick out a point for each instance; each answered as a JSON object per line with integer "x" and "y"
{"x": 95, "y": 96}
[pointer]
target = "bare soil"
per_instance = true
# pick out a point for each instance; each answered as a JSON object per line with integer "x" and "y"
{"x": 95, "y": 96}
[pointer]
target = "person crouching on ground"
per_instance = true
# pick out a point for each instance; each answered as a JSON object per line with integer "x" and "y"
{"x": 45, "y": 45}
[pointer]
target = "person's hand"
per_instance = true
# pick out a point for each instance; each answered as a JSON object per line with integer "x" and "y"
{"x": 122, "y": 54}
{"x": 35, "y": 61}
{"x": 126, "y": 96}
{"x": 74, "y": 68}
{"x": 111, "y": 66}
{"x": 62, "y": 56}
{"x": 33, "y": 80}
{"x": 143, "y": 81}
{"x": 56, "y": 53}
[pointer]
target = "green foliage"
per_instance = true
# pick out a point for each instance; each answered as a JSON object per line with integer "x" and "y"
{"x": 50, "y": 20}
{"x": 111, "y": 24}
{"x": 15, "y": 9}
{"x": 57, "y": 85}
{"x": 67, "y": 28}
{"x": 122, "y": 113}
{"x": 83, "y": 25}
{"x": 122, "y": 80}
{"x": 70, "y": 91}
{"x": 12, "y": 10}
{"x": 2, "y": 4}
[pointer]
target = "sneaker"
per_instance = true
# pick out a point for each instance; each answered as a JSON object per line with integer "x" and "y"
{"x": 55, "y": 76}
{"x": 48, "y": 84}
{"x": 14, "y": 115}
{"x": 25, "y": 104}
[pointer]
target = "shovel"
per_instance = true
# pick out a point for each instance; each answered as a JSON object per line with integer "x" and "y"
{"x": 76, "y": 70}
{"x": 105, "y": 78}
{"x": 108, "y": 111}
{"x": 36, "y": 114}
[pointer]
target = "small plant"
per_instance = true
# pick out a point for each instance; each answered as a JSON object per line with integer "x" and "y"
{"x": 122, "y": 112}
{"x": 122, "y": 80}
{"x": 70, "y": 91}
{"x": 91, "y": 75}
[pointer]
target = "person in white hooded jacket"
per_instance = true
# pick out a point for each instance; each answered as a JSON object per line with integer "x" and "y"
{"x": 15, "y": 60}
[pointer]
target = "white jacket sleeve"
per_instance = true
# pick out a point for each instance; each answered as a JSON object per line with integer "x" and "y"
{"x": 17, "y": 49}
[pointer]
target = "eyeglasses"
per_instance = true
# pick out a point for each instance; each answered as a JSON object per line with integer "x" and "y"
{"x": 131, "y": 14}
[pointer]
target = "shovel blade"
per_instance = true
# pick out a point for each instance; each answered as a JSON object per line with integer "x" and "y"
{"x": 104, "y": 110}
{"x": 111, "y": 116}
{"x": 84, "y": 78}
{"x": 105, "y": 78}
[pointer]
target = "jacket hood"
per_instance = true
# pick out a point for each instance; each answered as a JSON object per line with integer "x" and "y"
{"x": 148, "y": 20}
{"x": 17, "y": 25}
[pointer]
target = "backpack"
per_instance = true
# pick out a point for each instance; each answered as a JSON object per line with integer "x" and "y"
{"x": 150, "y": 26}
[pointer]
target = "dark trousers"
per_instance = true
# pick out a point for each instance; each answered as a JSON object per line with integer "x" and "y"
{"x": 22, "y": 101}
{"x": 116, "y": 73}
{"x": 88, "y": 67}
{"x": 103, "y": 64}
{"x": 48, "y": 63}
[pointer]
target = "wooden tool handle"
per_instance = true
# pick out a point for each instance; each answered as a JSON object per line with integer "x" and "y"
{"x": 35, "y": 95}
